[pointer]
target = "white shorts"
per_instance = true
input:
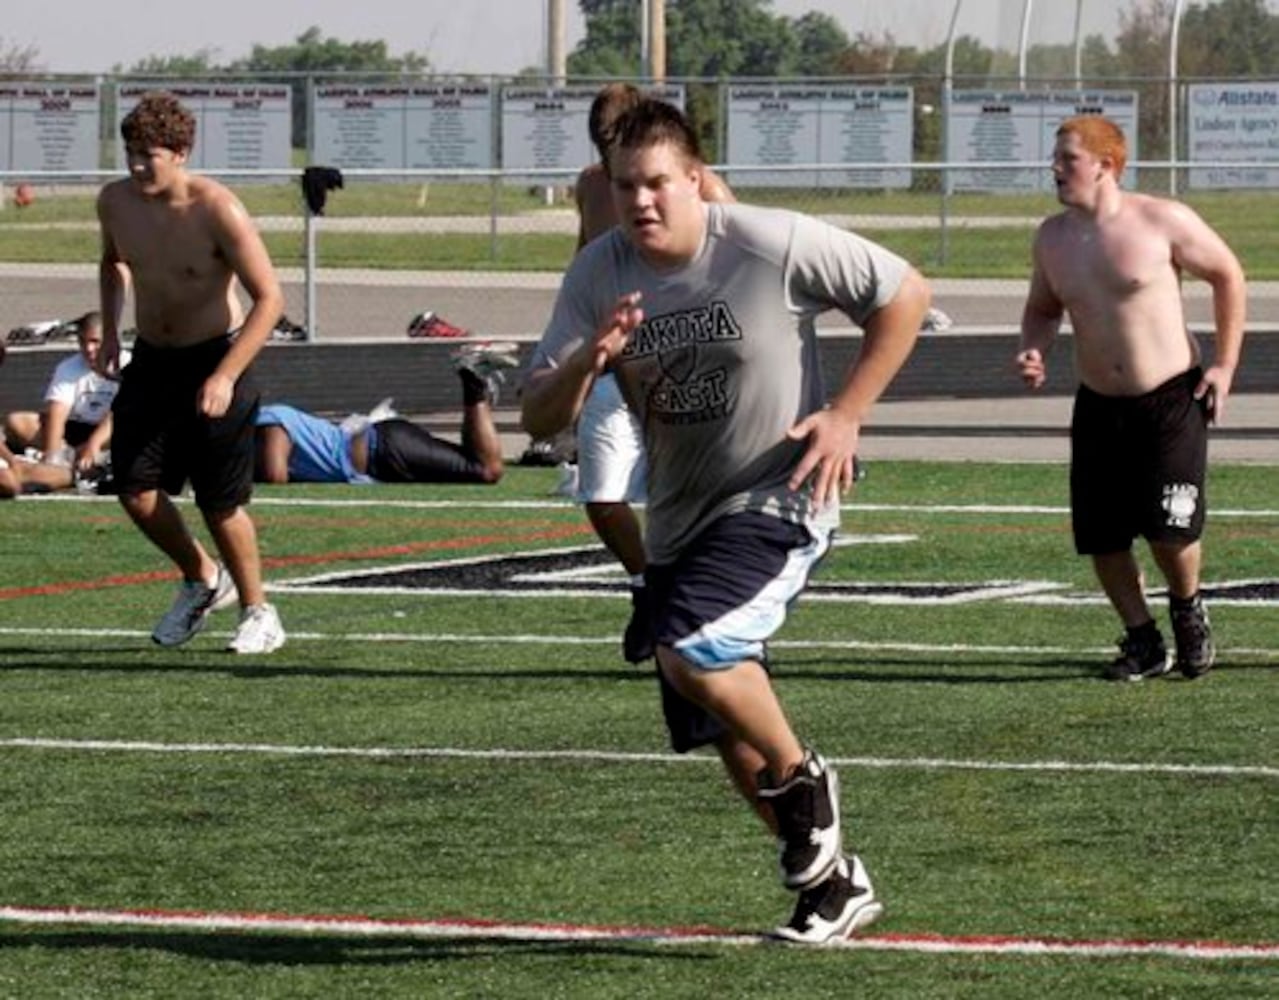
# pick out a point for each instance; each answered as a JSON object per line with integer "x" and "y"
{"x": 610, "y": 448}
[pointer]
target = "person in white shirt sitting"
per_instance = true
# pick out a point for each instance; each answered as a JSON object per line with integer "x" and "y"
{"x": 75, "y": 427}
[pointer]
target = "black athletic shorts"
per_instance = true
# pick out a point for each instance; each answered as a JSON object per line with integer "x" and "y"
{"x": 402, "y": 452}
{"x": 76, "y": 432}
{"x": 1137, "y": 466}
{"x": 159, "y": 440}
{"x": 722, "y": 599}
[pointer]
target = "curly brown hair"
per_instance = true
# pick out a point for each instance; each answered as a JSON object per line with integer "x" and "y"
{"x": 159, "y": 120}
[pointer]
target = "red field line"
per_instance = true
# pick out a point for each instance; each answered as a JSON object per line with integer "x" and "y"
{"x": 373, "y": 927}
{"x": 352, "y": 555}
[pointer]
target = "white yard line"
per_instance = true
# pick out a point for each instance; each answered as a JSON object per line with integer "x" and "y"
{"x": 954, "y": 648}
{"x": 621, "y": 757}
{"x": 562, "y": 504}
{"x": 357, "y": 926}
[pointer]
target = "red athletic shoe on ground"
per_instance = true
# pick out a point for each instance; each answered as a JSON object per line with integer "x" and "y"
{"x": 429, "y": 324}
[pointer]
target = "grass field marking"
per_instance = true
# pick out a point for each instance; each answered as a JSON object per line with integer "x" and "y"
{"x": 385, "y": 927}
{"x": 276, "y": 562}
{"x": 850, "y": 507}
{"x": 950, "y": 648}
{"x": 625, "y": 757}
{"x": 308, "y": 582}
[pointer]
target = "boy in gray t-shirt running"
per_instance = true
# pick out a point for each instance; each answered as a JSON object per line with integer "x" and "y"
{"x": 705, "y": 313}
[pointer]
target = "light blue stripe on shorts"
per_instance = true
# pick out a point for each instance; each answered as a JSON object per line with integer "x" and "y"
{"x": 741, "y": 633}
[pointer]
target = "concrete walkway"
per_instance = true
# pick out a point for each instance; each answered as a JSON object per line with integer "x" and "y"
{"x": 987, "y": 430}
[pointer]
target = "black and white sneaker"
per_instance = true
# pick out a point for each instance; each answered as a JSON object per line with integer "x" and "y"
{"x": 1141, "y": 655}
{"x": 835, "y": 909}
{"x": 807, "y": 809}
{"x": 1196, "y": 652}
{"x": 192, "y": 606}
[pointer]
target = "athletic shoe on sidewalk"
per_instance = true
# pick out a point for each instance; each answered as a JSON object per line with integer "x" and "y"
{"x": 806, "y": 805}
{"x": 429, "y": 324}
{"x": 259, "y": 631}
{"x": 833, "y": 910}
{"x": 195, "y": 600}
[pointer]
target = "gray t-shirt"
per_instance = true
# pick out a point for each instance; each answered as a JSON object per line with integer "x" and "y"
{"x": 725, "y": 361}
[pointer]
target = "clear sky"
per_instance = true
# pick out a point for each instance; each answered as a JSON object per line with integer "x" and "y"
{"x": 470, "y": 36}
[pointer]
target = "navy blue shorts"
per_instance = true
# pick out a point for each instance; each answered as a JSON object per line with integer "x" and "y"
{"x": 1137, "y": 466}
{"x": 720, "y": 602}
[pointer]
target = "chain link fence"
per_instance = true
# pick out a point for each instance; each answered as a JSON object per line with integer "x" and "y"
{"x": 484, "y": 246}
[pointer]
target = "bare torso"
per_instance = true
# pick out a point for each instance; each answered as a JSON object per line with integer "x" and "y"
{"x": 183, "y": 282}
{"x": 595, "y": 209}
{"x": 1117, "y": 278}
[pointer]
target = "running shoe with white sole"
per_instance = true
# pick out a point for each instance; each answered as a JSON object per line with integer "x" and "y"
{"x": 195, "y": 601}
{"x": 1141, "y": 656}
{"x": 835, "y": 909}
{"x": 259, "y": 631}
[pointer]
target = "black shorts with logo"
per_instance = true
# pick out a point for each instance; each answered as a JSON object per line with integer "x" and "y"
{"x": 159, "y": 440}
{"x": 1137, "y": 466}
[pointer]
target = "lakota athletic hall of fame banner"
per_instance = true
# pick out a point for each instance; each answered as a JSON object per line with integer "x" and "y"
{"x": 403, "y": 127}
{"x": 547, "y": 128}
{"x": 827, "y": 127}
{"x": 1234, "y": 122}
{"x": 52, "y": 127}
{"x": 239, "y": 126}
{"x": 992, "y": 127}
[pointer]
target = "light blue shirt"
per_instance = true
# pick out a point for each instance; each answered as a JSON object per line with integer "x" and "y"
{"x": 320, "y": 452}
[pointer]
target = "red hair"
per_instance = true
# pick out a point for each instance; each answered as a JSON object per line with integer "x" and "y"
{"x": 1100, "y": 136}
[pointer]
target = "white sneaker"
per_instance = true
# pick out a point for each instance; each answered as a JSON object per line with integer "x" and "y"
{"x": 191, "y": 608}
{"x": 486, "y": 357}
{"x": 385, "y": 410}
{"x": 358, "y": 423}
{"x": 259, "y": 631}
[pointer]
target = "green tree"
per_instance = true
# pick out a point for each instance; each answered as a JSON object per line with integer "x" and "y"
{"x": 1145, "y": 30}
{"x": 314, "y": 58}
{"x": 195, "y": 66}
{"x": 1232, "y": 38}
{"x": 706, "y": 40}
{"x": 822, "y": 45}
{"x": 611, "y": 46}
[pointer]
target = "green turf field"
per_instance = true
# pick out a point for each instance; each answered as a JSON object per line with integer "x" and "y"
{"x": 63, "y": 229}
{"x": 463, "y": 748}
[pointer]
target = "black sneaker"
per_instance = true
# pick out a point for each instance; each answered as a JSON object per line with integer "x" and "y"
{"x": 1141, "y": 655}
{"x": 807, "y": 809}
{"x": 1192, "y": 631}
{"x": 637, "y": 641}
{"x": 835, "y": 908}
